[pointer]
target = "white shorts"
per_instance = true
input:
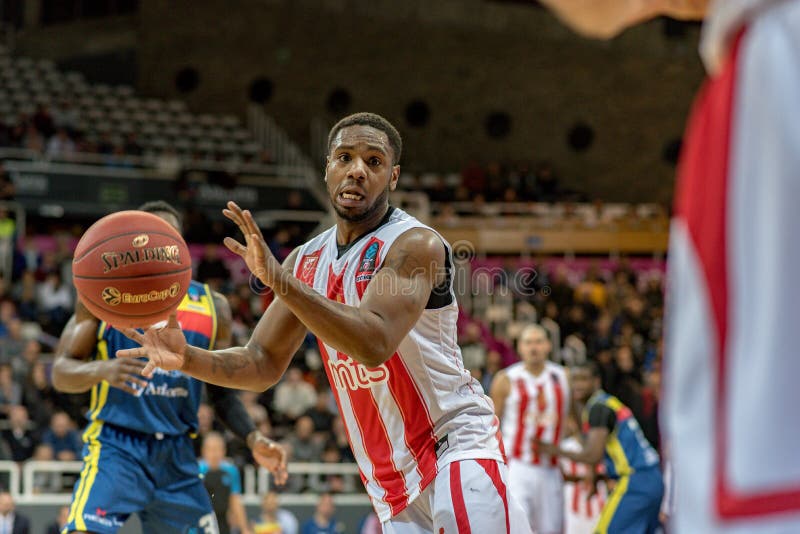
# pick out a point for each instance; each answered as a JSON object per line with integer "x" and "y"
{"x": 468, "y": 496}
{"x": 579, "y": 524}
{"x": 540, "y": 491}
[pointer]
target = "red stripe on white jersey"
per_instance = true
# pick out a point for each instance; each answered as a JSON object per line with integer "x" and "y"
{"x": 417, "y": 423}
{"x": 541, "y": 405}
{"x": 576, "y": 494}
{"x": 559, "y": 414}
{"x": 457, "y": 494}
{"x": 521, "y": 414}
{"x": 490, "y": 466}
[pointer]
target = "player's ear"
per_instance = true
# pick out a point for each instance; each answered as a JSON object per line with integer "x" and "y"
{"x": 395, "y": 176}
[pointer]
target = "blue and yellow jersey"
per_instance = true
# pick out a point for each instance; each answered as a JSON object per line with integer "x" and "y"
{"x": 170, "y": 401}
{"x": 627, "y": 450}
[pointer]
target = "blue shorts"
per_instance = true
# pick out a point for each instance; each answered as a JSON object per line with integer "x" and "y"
{"x": 127, "y": 472}
{"x": 632, "y": 507}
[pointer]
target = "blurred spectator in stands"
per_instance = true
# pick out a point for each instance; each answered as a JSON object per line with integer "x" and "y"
{"x": 224, "y": 485}
{"x": 650, "y": 400}
{"x": 211, "y": 269}
{"x": 628, "y": 383}
{"x": 473, "y": 349}
{"x": 7, "y": 189}
{"x": 43, "y": 121}
{"x": 16, "y": 137}
{"x": 496, "y": 181}
{"x": 60, "y": 521}
{"x": 320, "y": 413}
{"x": 132, "y": 146}
{"x": 10, "y": 390}
{"x": 205, "y": 425}
{"x": 273, "y": 519}
{"x": 11, "y": 521}
{"x": 331, "y": 483}
{"x": 323, "y": 521}
{"x": 342, "y": 443}
{"x": 296, "y": 201}
{"x": 12, "y": 344}
{"x": 62, "y": 437}
{"x": 438, "y": 191}
{"x": 547, "y": 186}
{"x": 39, "y": 396}
{"x": 302, "y": 446}
{"x": 19, "y": 436}
{"x": 66, "y": 116}
{"x": 24, "y": 293}
{"x": 105, "y": 145}
{"x": 494, "y": 362}
{"x": 33, "y": 139}
{"x": 46, "y": 481}
{"x": 55, "y": 302}
{"x": 473, "y": 177}
{"x": 8, "y": 228}
{"x": 60, "y": 145}
{"x": 370, "y": 524}
{"x": 293, "y": 395}
{"x": 265, "y": 157}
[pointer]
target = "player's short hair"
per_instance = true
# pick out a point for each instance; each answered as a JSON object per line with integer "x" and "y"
{"x": 375, "y": 121}
{"x": 539, "y": 328}
{"x": 161, "y": 206}
{"x": 591, "y": 366}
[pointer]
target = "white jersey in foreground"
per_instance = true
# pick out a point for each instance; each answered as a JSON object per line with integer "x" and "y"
{"x": 421, "y": 410}
{"x": 581, "y": 512}
{"x": 731, "y": 366}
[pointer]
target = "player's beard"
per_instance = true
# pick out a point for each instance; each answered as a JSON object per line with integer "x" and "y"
{"x": 356, "y": 216}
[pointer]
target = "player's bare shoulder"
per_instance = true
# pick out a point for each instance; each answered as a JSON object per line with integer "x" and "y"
{"x": 417, "y": 252}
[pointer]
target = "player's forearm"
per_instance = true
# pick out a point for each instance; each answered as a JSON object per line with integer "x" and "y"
{"x": 361, "y": 335}
{"x": 230, "y": 410}
{"x": 604, "y": 19}
{"x": 247, "y": 368}
{"x": 75, "y": 376}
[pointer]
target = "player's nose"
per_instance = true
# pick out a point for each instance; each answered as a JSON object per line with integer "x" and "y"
{"x": 357, "y": 169}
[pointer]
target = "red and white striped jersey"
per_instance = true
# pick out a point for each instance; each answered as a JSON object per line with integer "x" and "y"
{"x": 576, "y": 502}
{"x": 535, "y": 409}
{"x": 420, "y": 410}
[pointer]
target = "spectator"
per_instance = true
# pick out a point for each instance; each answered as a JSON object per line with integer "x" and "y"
{"x": 43, "y": 121}
{"x": 321, "y": 414}
{"x": 293, "y": 395}
{"x": 66, "y": 116}
{"x": 55, "y": 302}
{"x": 323, "y": 520}
{"x": 340, "y": 438}
{"x": 205, "y": 426}
{"x": 32, "y": 139}
{"x": 25, "y": 294}
{"x": 302, "y": 446}
{"x": 60, "y": 145}
{"x": 331, "y": 483}
{"x": 168, "y": 164}
{"x": 22, "y": 365}
{"x": 12, "y": 522}
{"x": 10, "y": 390}
{"x": 370, "y": 524}
{"x": 274, "y": 520}
{"x": 45, "y": 481}
{"x": 221, "y": 479}
{"x": 39, "y": 396}
{"x": 12, "y": 344}
{"x": 106, "y": 144}
{"x": 8, "y": 228}
{"x": 211, "y": 269}
{"x": 473, "y": 350}
{"x": 20, "y": 438}
{"x": 62, "y": 437}
{"x": 132, "y": 146}
{"x": 60, "y": 522}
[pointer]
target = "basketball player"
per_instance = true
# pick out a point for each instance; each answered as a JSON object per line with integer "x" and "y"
{"x": 138, "y": 453}
{"x": 531, "y": 399}
{"x": 613, "y": 435}
{"x": 376, "y": 290}
{"x": 730, "y": 397}
{"x": 582, "y": 503}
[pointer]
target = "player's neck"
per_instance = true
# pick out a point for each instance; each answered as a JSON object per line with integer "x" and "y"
{"x": 535, "y": 368}
{"x": 349, "y": 231}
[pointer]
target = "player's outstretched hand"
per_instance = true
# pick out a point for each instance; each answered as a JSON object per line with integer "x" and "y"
{"x": 163, "y": 346}
{"x": 269, "y": 455}
{"x": 121, "y": 373}
{"x": 255, "y": 252}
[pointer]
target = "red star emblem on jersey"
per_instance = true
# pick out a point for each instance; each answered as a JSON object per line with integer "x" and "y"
{"x": 99, "y": 512}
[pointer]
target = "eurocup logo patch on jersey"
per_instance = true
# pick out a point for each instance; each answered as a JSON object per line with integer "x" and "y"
{"x": 369, "y": 260}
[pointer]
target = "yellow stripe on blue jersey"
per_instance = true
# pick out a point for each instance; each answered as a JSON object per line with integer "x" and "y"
{"x": 169, "y": 402}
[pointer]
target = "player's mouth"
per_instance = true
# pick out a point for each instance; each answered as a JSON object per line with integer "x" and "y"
{"x": 350, "y": 198}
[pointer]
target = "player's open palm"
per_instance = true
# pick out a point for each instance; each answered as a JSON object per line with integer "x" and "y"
{"x": 123, "y": 373}
{"x": 255, "y": 251}
{"x": 163, "y": 346}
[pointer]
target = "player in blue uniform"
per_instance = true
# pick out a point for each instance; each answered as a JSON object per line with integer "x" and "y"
{"x": 138, "y": 453}
{"x": 614, "y": 435}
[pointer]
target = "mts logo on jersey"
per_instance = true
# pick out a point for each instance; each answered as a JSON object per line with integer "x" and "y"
{"x": 349, "y": 374}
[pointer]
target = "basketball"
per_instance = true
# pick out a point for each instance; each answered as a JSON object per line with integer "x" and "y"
{"x": 131, "y": 269}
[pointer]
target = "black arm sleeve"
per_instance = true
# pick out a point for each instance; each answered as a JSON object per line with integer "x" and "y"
{"x": 601, "y": 415}
{"x": 230, "y": 410}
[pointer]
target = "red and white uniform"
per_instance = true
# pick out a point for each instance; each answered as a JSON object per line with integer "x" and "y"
{"x": 581, "y": 512}
{"x": 415, "y": 415}
{"x": 536, "y": 408}
{"x": 731, "y": 366}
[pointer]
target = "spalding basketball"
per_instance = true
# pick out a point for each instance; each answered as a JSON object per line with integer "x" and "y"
{"x": 131, "y": 269}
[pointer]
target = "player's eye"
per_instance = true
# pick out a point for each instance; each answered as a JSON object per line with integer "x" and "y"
{"x": 374, "y": 162}
{"x": 344, "y": 157}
